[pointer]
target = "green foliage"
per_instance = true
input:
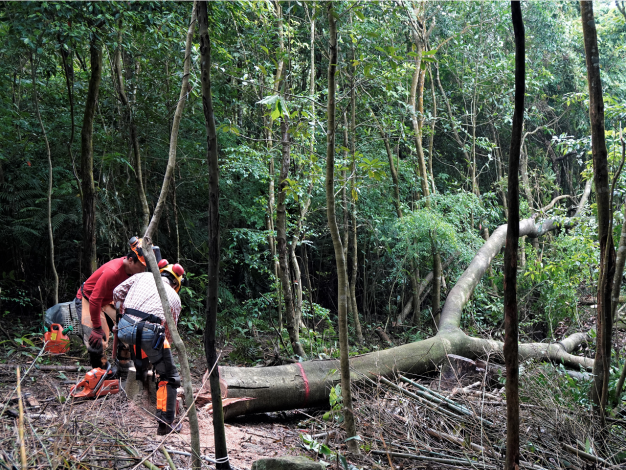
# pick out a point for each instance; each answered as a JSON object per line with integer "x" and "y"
{"x": 336, "y": 405}
{"x": 554, "y": 280}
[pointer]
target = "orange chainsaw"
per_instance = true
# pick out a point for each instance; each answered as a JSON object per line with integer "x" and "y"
{"x": 99, "y": 382}
{"x": 96, "y": 384}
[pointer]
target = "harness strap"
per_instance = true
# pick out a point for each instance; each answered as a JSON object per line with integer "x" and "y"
{"x": 136, "y": 351}
{"x": 147, "y": 321}
{"x": 148, "y": 317}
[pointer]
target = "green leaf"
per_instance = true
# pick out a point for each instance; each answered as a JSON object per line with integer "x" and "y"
{"x": 269, "y": 100}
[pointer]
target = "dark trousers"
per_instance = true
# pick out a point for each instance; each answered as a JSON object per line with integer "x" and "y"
{"x": 162, "y": 361}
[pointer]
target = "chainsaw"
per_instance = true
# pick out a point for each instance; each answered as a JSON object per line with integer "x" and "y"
{"x": 99, "y": 382}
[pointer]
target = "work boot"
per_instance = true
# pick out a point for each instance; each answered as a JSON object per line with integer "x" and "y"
{"x": 166, "y": 428}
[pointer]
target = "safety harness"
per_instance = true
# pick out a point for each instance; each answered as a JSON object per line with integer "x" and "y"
{"x": 151, "y": 322}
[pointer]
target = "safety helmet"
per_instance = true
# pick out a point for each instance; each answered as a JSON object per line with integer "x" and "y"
{"x": 173, "y": 270}
{"x": 135, "y": 246}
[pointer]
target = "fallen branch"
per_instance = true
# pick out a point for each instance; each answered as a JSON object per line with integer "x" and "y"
{"x": 450, "y": 461}
{"x": 457, "y": 440}
{"x": 583, "y": 455}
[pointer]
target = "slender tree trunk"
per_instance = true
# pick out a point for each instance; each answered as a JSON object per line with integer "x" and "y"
{"x": 455, "y": 132}
{"x": 86, "y": 161}
{"x": 604, "y": 325}
{"x": 392, "y": 166}
{"x": 281, "y": 239}
{"x": 33, "y": 64}
{"x": 132, "y": 127}
{"x": 346, "y": 392}
{"x": 68, "y": 71}
{"x": 271, "y": 200}
{"x": 498, "y": 156}
{"x": 525, "y": 181}
{"x": 221, "y": 450}
{"x": 617, "y": 281}
{"x": 175, "y": 204}
{"x": 151, "y": 260}
{"x": 436, "y": 277}
{"x": 414, "y": 92}
{"x": 431, "y": 137}
{"x": 353, "y": 169}
{"x": 620, "y": 258}
{"x": 511, "y": 347}
{"x": 171, "y": 161}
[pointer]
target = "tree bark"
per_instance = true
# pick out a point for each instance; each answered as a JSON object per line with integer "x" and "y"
{"x": 178, "y": 114}
{"x": 511, "y": 326}
{"x": 620, "y": 258}
{"x": 308, "y": 383}
{"x": 221, "y": 450}
{"x": 342, "y": 305}
{"x": 353, "y": 201}
{"x": 436, "y": 277}
{"x": 271, "y": 170}
{"x": 132, "y": 127}
{"x": 151, "y": 260}
{"x": 86, "y": 161}
{"x": 68, "y": 71}
{"x": 417, "y": 89}
{"x": 421, "y": 288}
{"x": 604, "y": 322}
{"x": 431, "y": 137}
{"x": 281, "y": 239}
{"x": 33, "y": 64}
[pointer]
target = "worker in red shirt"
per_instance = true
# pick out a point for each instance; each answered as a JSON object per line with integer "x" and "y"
{"x": 94, "y": 297}
{"x": 143, "y": 327}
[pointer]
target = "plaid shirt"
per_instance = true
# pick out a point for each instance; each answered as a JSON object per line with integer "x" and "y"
{"x": 139, "y": 292}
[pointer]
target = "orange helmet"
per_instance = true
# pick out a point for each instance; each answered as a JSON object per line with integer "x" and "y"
{"x": 173, "y": 270}
{"x": 135, "y": 246}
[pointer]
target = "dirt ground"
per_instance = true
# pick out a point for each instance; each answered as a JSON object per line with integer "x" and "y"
{"x": 248, "y": 439}
{"x": 102, "y": 433}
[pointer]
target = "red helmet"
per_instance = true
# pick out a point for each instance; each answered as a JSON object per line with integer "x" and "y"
{"x": 175, "y": 270}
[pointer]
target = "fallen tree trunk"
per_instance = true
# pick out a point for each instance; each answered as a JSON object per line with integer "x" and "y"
{"x": 308, "y": 383}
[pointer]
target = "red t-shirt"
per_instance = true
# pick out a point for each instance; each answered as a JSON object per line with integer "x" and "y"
{"x": 99, "y": 287}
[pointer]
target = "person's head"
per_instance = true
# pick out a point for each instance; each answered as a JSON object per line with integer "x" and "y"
{"x": 173, "y": 273}
{"x": 133, "y": 265}
{"x": 135, "y": 262}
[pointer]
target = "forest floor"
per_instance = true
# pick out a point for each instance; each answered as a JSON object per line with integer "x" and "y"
{"x": 397, "y": 429}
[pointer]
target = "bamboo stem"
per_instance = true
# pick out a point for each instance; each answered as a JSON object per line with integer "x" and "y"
{"x": 168, "y": 458}
{"x": 21, "y": 421}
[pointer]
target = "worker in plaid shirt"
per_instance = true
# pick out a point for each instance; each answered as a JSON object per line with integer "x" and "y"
{"x": 144, "y": 329}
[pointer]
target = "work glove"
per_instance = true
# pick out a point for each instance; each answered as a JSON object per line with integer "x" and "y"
{"x": 96, "y": 339}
